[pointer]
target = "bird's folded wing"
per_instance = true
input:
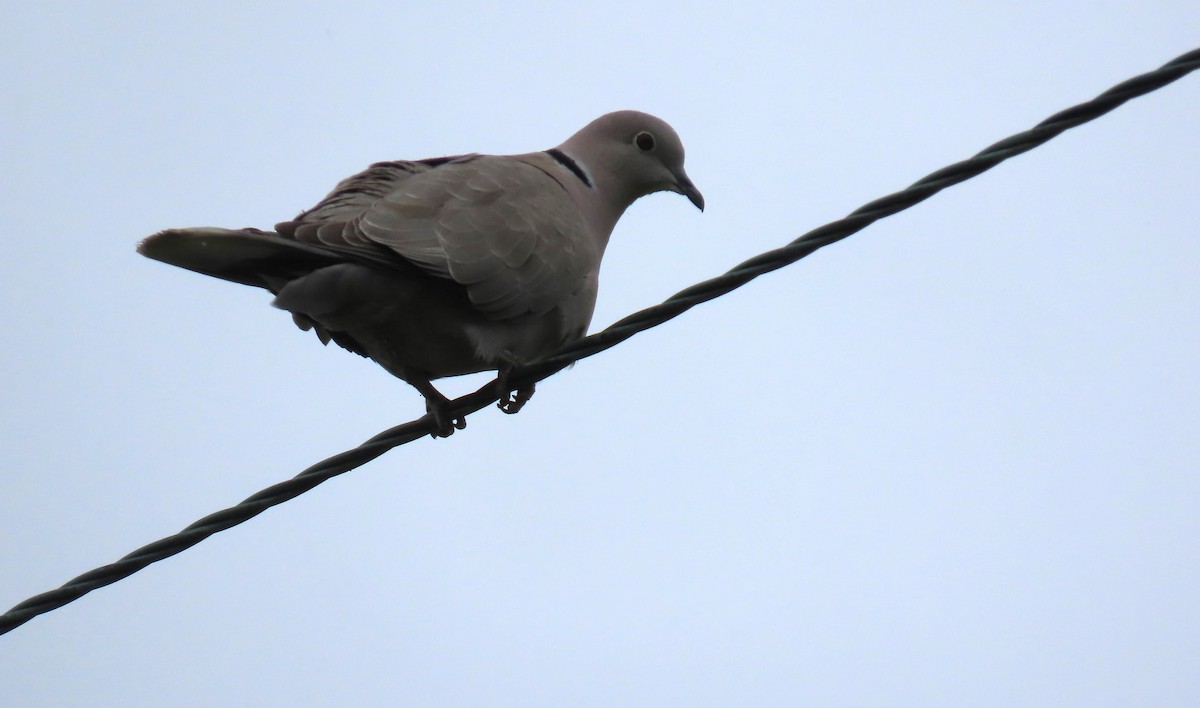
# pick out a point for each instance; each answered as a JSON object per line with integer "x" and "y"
{"x": 504, "y": 229}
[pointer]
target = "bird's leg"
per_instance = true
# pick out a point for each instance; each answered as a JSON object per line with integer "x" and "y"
{"x": 436, "y": 405}
{"x": 508, "y": 403}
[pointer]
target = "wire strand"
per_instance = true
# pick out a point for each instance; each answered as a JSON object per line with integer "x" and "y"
{"x": 623, "y": 329}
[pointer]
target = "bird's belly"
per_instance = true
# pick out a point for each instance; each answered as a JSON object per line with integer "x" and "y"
{"x": 418, "y": 326}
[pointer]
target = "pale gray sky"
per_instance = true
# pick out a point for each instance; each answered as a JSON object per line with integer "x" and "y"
{"x": 951, "y": 461}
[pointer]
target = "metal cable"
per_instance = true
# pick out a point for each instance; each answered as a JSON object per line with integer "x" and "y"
{"x": 613, "y": 335}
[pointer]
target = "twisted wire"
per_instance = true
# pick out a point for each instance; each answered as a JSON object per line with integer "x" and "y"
{"x": 623, "y": 329}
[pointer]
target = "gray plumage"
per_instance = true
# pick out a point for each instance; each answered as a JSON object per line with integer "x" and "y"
{"x": 454, "y": 265}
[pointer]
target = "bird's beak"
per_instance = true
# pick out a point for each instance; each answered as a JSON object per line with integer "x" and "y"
{"x": 687, "y": 189}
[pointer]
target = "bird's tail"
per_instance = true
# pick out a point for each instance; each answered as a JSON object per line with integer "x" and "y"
{"x": 260, "y": 258}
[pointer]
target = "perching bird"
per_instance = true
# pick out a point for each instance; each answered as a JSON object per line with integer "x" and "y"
{"x": 452, "y": 265}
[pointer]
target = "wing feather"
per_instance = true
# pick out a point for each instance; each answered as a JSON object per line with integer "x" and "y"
{"x": 499, "y": 226}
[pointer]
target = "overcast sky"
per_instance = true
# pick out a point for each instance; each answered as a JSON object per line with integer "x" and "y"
{"x": 951, "y": 461}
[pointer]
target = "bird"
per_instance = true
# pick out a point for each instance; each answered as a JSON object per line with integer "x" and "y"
{"x": 452, "y": 265}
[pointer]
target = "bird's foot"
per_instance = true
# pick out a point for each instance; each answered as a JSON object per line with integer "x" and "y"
{"x": 438, "y": 406}
{"x": 508, "y": 402}
{"x": 446, "y": 423}
{"x": 512, "y": 404}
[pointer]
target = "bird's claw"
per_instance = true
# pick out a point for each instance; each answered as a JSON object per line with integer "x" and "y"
{"x": 511, "y": 404}
{"x": 444, "y": 423}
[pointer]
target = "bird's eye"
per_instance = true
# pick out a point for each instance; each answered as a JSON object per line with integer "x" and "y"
{"x": 644, "y": 141}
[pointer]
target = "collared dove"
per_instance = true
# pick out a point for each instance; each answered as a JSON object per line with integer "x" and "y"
{"x": 452, "y": 265}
